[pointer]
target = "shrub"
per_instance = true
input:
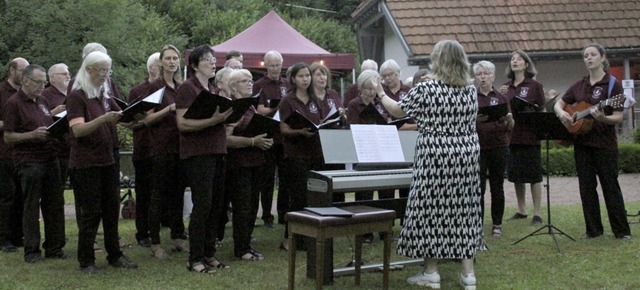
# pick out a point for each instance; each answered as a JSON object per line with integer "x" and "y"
{"x": 562, "y": 161}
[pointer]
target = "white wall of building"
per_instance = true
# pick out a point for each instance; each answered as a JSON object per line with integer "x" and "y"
{"x": 558, "y": 75}
{"x": 393, "y": 50}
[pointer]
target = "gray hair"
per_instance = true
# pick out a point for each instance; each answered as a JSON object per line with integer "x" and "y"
{"x": 369, "y": 64}
{"x": 485, "y": 65}
{"x": 366, "y": 76}
{"x": 155, "y": 57}
{"x": 83, "y": 78}
{"x": 273, "y": 53}
{"x": 53, "y": 68}
{"x": 235, "y": 76}
{"x": 91, "y": 47}
{"x": 221, "y": 73}
{"x": 391, "y": 64}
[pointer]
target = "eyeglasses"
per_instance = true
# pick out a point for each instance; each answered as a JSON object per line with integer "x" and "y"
{"x": 209, "y": 59}
{"x": 246, "y": 81}
{"x": 64, "y": 74}
{"x": 39, "y": 83}
{"x": 105, "y": 72}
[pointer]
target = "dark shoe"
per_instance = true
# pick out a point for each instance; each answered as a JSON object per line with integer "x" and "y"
{"x": 588, "y": 237}
{"x": 536, "y": 220}
{"x": 93, "y": 270}
{"x": 8, "y": 247}
{"x": 518, "y": 216}
{"x": 182, "y": 236}
{"x": 145, "y": 243}
{"x": 32, "y": 258}
{"x": 59, "y": 254}
{"x": 123, "y": 262}
{"x": 269, "y": 224}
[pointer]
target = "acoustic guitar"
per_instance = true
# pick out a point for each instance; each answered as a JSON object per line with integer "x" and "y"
{"x": 582, "y": 125}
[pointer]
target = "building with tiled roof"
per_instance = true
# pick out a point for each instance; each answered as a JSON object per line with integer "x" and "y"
{"x": 552, "y": 32}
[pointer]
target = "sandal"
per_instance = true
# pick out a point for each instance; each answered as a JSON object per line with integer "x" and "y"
{"x": 215, "y": 263}
{"x": 159, "y": 253}
{"x": 177, "y": 246}
{"x": 251, "y": 255}
{"x": 199, "y": 267}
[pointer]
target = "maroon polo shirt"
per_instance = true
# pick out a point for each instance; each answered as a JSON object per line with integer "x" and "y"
{"x": 356, "y": 106}
{"x": 397, "y": 96}
{"x": 270, "y": 89}
{"x": 299, "y": 146}
{"x": 165, "y": 136}
{"x": 246, "y": 156}
{"x": 331, "y": 100}
{"x": 492, "y": 134}
{"x": 601, "y": 135}
{"x": 95, "y": 149}
{"x": 141, "y": 139}
{"x": 531, "y": 91}
{"x": 210, "y": 140}
{"x": 352, "y": 93}
{"x": 22, "y": 115}
{"x": 6, "y": 91}
{"x": 54, "y": 97}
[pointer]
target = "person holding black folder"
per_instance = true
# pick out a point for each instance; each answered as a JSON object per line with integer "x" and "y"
{"x": 525, "y": 161}
{"x": 245, "y": 164}
{"x": 26, "y": 116}
{"x": 203, "y": 148}
{"x": 596, "y": 151}
{"x": 494, "y": 142}
{"x": 302, "y": 150}
{"x": 167, "y": 192}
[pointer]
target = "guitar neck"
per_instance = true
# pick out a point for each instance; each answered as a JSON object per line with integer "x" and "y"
{"x": 587, "y": 112}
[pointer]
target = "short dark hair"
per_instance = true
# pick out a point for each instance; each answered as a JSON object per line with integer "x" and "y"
{"x": 233, "y": 53}
{"x": 28, "y": 71}
{"x": 196, "y": 55}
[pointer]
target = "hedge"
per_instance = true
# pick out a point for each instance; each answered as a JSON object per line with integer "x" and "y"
{"x": 562, "y": 162}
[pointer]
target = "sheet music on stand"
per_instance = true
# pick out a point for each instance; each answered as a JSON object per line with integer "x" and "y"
{"x": 377, "y": 143}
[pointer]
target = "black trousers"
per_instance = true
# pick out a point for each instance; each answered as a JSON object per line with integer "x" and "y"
{"x": 493, "y": 163}
{"x": 97, "y": 199}
{"x": 143, "y": 170}
{"x": 273, "y": 164}
{"x": 601, "y": 163}
{"x": 11, "y": 204}
{"x": 167, "y": 193}
{"x": 296, "y": 170}
{"x": 41, "y": 189}
{"x": 205, "y": 176}
{"x": 243, "y": 184}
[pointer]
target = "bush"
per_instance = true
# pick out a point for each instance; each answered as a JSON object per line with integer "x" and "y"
{"x": 562, "y": 161}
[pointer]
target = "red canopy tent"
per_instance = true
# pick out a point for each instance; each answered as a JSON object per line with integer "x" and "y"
{"x": 273, "y": 33}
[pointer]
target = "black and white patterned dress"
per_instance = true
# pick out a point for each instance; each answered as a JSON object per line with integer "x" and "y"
{"x": 443, "y": 218}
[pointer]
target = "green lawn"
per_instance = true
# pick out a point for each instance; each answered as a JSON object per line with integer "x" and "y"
{"x": 602, "y": 263}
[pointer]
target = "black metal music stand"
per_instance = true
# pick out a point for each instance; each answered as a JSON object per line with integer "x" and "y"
{"x": 546, "y": 127}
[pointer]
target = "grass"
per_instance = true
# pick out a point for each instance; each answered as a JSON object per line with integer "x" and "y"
{"x": 601, "y": 263}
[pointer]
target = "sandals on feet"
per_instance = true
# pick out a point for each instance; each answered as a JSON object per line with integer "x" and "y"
{"x": 177, "y": 245}
{"x": 199, "y": 267}
{"x": 252, "y": 255}
{"x": 215, "y": 263}
{"x": 159, "y": 253}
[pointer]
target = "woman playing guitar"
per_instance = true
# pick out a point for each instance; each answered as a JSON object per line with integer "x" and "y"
{"x": 596, "y": 151}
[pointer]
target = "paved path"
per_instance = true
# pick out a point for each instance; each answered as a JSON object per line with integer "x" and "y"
{"x": 563, "y": 190}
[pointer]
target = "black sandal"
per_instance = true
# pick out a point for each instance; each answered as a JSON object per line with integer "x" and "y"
{"x": 215, "y": 263}
{"x": 200, "y": 267}
{"x": 251, "y": 255}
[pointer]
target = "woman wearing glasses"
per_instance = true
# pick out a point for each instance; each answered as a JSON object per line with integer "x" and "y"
{"x": 203, "y": 147}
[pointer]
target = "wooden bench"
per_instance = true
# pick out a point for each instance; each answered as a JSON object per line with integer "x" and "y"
{"x": 365, "y": 220}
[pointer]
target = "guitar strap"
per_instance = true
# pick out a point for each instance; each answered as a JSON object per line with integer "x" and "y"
{"x": 612, "y": 81}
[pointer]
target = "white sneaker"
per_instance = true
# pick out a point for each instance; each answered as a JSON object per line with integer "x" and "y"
{"x": 423, "y": 279}
{"x": 468, "y": 282}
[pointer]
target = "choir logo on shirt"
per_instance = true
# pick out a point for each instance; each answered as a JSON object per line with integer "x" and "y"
{"x": 44, "y": 110}
{"x": 106, "y": 105}
{"x": 597, "y": 92}
{"x": 283, "y": 91}
{"x": 379, "y": 108}
{"x": 524, "y": 92}
{"x": 313, "y": 108}
{"x": 493, "y": 101}
{"x": 331, "y": 102}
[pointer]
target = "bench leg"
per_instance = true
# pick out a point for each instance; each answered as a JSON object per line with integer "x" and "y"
{"x": 292, "y": 261}
{"x": 386, "y": 255}
{"x": 319, "y": 262}
{"x": 358, "y": 262}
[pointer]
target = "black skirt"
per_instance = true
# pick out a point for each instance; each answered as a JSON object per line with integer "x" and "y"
{"x": 525, "y": 164}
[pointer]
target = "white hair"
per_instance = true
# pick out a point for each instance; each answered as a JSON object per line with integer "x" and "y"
{"x": 390, "y": 64}
{"x": 83, "y": 78}
{"x": 273, "y": 53}
{"x": 91, "y": 47}
{"x": 155, "y": 57}
{"x": 369, "y": 64}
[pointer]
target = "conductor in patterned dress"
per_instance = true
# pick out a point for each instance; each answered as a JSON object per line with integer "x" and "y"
{"x": 443, "y": 218}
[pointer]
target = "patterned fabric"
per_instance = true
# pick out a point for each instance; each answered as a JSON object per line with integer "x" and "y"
{"x": 443, "y": 216}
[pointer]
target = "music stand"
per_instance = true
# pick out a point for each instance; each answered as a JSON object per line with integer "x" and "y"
{"x": 547, "y": 127}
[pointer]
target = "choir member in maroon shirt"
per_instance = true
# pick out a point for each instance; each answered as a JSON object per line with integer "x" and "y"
{"x": 494, "y": 143}
{"x": 167, "y": 193}
{"x": 26, "y": 117}
{"x": 203, "y": 148}
{"x": 272, "y": 87}
{"x": 525, "y": 162}
{"x": 10, "y": 192}
{"x": 93, "y": 115}
{"x": 302, "y": 151}
{"x": 352, "y": 91}
{"x": 596, "y": 151}
{"x": 245, "y": 164}
{"x": 141, "y": 154}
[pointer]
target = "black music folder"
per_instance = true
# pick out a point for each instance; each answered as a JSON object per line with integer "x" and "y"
{"x": 298, "y": 121}
{"x": 141, "y": 106}
{"x": 495, "y": 112}
{"x": 60, "y": 127}
{"x": 371, "y": 115}
{"x": 206, "y": 103}
{"x": 122, "y": 104}
{"x": 260, "y": 124}
{"x": 273, "y": 103}
{"x": 330, "y": 211}
{"x": 519, "y": 104}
